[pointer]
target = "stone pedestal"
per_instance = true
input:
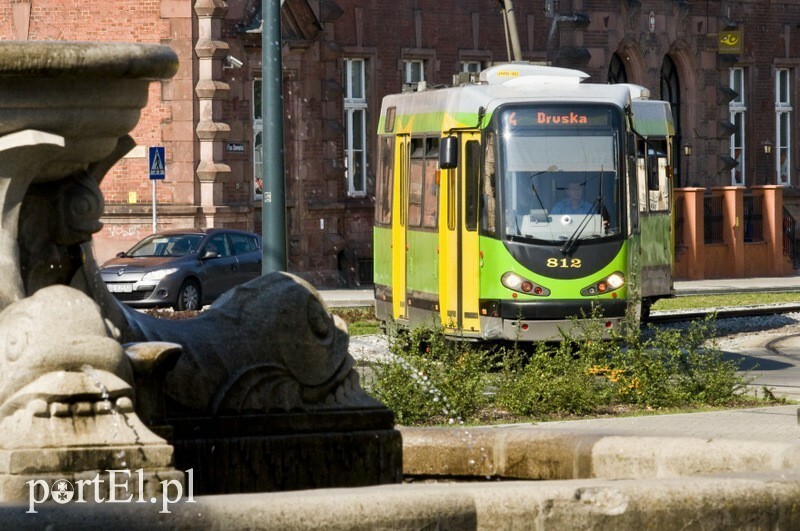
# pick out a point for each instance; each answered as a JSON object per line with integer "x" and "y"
{"x": 289, "y": 451}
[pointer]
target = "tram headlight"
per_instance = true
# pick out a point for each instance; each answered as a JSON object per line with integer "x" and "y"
{"x": 519, "y": 284}
{"x": 615, "y": 280}
{"x": 612, "y": 282}
{"x": 512, "y": 281}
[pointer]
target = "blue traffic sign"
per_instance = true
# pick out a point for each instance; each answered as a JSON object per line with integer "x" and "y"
{"x": 156, "y": 165}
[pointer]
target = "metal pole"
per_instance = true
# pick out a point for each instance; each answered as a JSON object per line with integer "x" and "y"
{"x": 512, "y": 27}
{"x": 505, "y": 29}
{"x": 273, "y": 209}
{"x": 155, "y": 216}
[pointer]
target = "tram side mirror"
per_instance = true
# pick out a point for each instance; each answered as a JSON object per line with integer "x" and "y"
{"x": 448, "y": 153}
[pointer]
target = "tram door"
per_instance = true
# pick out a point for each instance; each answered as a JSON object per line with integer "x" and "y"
{"x": 459, "y": 260}
{"x": 399, "y": 227}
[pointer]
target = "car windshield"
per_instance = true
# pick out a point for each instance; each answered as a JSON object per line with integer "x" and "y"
{"x": 559, "y": 182}
{"x": 166, "y": 245}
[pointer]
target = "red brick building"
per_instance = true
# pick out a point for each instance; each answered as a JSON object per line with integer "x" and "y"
{"x": 731, "y": 98}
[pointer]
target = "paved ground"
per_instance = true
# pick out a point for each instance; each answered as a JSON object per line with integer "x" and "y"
{"x": 773, "y": 424}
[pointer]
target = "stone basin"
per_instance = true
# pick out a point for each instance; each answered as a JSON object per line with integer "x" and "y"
{"x": 90, "y": 94}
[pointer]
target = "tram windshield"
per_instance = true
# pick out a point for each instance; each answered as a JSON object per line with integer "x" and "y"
{"x": 560, "y": 177}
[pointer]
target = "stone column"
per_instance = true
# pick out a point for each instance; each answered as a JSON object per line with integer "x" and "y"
{"x": 772, "y": 209}
{"x": 733, "y": 228}
{"x": 211, "y": 91}
{"x": 690, "y": 267}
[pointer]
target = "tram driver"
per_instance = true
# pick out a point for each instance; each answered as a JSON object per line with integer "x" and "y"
{"x": 573, "y": 203}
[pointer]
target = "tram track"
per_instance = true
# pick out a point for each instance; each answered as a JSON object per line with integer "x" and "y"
{"x": 675, "y": 316}
{"x": 773, "y": 346}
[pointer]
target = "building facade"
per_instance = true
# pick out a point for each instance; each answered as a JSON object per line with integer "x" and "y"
{"x": 728, "y": 67}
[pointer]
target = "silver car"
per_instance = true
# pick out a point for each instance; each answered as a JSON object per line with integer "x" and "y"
{"x": 185, "y": 269}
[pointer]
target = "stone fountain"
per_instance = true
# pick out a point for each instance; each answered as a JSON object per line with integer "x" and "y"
{"x": 258, "y": 393}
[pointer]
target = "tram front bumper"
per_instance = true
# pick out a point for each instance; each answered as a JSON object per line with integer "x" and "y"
{"x": 550, "y": 320}
{"x": 497, "y": 328}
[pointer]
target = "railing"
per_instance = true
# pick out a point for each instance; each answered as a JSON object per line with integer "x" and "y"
{"x": 713, "y": 218}
{"x": 753, "y": 218}
{"x": 789, "y": 241}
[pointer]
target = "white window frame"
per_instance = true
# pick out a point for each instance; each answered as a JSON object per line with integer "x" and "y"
{"x": 783, "y": 113}
{"x": 411, "y": 67}
{"x": 258, "y": 150}
{"x": 355, "y": 118}
{"x": 738, "y": 110}
{"x": 471, "y": 66}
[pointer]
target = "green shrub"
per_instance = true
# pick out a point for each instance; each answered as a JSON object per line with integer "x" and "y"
{"x": 549, "y": 380}
{"x": 430, "y": 378}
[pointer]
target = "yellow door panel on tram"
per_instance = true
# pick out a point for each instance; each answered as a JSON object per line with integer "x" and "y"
{"x": 399, "y": 223}
{"x": 449, "y": 249}
{"x": 470, "y": 248}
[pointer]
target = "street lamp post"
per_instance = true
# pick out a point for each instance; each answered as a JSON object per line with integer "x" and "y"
{"x": 687, "y": 152}
{"x": 273, "y": 207}
{"x": 768, "y": 152}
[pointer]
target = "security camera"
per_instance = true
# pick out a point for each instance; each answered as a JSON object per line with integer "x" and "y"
{"x": 233, "y": 62}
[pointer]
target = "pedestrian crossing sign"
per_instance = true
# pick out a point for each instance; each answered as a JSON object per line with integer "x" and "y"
{"x": 156, "y": 162}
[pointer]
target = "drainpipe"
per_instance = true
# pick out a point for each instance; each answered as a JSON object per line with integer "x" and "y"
{"x": 273, "y": 207}
{"x": 511, "y": 23}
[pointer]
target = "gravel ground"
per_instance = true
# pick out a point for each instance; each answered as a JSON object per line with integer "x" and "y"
{"x": 731, "y": 333}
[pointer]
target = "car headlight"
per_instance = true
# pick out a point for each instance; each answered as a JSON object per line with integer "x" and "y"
{"x": 158, "y": 274}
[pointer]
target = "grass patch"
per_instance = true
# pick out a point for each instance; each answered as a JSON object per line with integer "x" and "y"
{"x": 727, "y": 300}
{"x": 360, "y": 320}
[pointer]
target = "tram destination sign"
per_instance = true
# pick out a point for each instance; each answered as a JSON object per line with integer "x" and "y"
{"x": 556, "y": 117}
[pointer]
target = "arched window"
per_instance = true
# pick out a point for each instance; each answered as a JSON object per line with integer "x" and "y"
{"x": 616, "y": 71}
{"x": 670, "y": 91}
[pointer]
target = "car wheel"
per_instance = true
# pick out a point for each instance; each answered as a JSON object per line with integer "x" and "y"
{"x": 188, "y": 296}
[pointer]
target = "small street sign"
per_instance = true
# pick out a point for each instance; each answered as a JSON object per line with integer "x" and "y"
{"x": 157, "y": 168}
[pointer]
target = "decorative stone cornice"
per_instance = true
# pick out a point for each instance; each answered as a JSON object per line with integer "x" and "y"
{"x": 212, "y": 89}
{"x": 213, "y": 172}
{"x": 210, "y": 8}
{"x": 208, "y": 48}
{"x": 212, "y": 131}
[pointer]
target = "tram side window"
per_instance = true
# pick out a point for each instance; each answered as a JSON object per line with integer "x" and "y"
{"x": 659, "y": 193}
{"x": 383, "y": 192}
{"x": 652, "y": 176}
{"x": 423, "y": 188}
{"x": 488, "y": 188}
{"x": 416, "y": 174}
{"x": 430, "y": 202}
{"x": 472, "y": 168}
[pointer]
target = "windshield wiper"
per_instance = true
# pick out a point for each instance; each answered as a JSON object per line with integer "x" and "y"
{"x": 550, "y": 169}
{"x": 572, "y": 240}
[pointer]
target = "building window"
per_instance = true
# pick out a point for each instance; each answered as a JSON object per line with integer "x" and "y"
{"x": 738, "y": 108}
{"x": 783, "y": 119}
{"x": 414, "y": 71}
{"x": 471, "y": 66}
{"x": 355, "y": 121}
{"x": 258, "y": 142}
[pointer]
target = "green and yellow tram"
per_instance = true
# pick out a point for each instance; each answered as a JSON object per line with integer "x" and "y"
{"x": 511, "y": 204}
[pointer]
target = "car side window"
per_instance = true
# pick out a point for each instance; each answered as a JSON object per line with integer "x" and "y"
{"x": 242, "y": 243}
{"x": 219, "y": 244}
